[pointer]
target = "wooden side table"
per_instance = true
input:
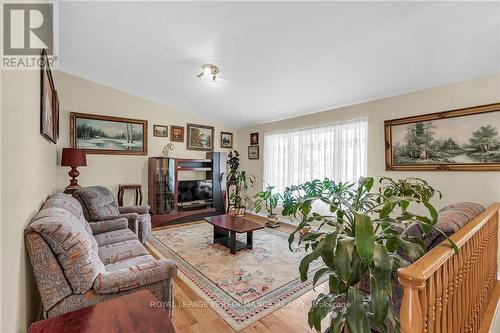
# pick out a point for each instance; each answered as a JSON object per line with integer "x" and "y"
{"x": 136, "y": 312}
{"x": 137, "y": 188}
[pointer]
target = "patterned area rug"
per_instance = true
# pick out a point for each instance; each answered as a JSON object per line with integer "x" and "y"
{"x": 241, "y": 288}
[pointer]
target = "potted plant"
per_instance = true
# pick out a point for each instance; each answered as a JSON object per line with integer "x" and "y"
{"x": 238, "y": 198}
{"x": 361, "y": 238}
{"x": 270, "y": 200}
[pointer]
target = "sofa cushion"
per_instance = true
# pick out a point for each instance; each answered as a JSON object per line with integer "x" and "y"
{"x": 67, "y": 202}
{"x": 468, "y": 208}
{"x": 129, "y": 263}
{"x": 120, "y": 251}
{"x": 451, "y": 218}
{"x": 100, "y": 227}
{"x": 115, "y": 236}
{"x": 140, "y": 274}
{"x": 76, "y": 251}
{"x": 98, "y": 202}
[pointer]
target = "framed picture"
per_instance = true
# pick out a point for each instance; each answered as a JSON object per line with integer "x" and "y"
{"x": 160, "y": 130}
{"x": 200, "y": 137}
{"x": 177, "y": 133}
{"x": 254, "y": 138}
{"x": 49, "y": 104}
{"x": 108, "y": 135}
{"x": 226, "y": 140}
{"x": 253, "y": 152}
{"x": 462, "y": 140}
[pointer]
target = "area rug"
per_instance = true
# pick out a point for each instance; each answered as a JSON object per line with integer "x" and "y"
{"x": 241, "y": 288}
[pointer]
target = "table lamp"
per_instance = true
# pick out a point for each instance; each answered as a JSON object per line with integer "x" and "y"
{"x": 73, "y": 157}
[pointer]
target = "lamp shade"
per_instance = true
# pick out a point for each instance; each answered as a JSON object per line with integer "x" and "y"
{"x": 73, "y": 157}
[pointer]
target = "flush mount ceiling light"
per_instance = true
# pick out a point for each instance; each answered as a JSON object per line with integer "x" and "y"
{"x": 210, "y": 71}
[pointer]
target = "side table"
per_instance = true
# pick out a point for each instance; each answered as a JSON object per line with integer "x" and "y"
{"x": 137, "y": 188}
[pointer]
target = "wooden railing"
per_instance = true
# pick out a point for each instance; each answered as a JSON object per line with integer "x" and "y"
{"x": 446, "y": 292}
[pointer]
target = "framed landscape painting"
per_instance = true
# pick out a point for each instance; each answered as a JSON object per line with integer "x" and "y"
{"x": 464, "y": 140}
{"x": 160, "y": 131}
{"x": 200, "y": 137}
{"x": 108, "y": 135}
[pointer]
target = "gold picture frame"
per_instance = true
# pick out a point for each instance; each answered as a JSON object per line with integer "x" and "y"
{"x": 97, "y": 133}
{"x": 464, "y": 139}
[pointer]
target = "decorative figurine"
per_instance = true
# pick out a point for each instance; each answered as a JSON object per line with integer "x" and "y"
{"x": 167, "y": 149}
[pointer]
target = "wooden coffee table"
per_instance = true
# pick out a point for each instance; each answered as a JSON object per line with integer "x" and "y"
{"x": 227, "y": 226}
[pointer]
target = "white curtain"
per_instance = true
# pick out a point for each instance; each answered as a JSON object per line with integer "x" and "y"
{"x": 335, "y": 151}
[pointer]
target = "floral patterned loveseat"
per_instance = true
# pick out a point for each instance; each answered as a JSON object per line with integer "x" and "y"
{"x": 77, "y": 264}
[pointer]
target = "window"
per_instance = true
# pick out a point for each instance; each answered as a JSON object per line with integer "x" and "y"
{"x": 334, "y": 151}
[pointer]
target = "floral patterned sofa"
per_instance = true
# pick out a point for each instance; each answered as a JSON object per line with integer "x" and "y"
{"x": 451, "y": 218}
{"x": 98, "y": 203}
{"x": 77, "y": 264}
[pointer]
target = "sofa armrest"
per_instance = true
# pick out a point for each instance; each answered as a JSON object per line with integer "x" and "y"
{"x": 132, "y": 221}
{"x": 136, "y": 276}
{"x": 143, "y": 209}
{"x": 108, "y": 225}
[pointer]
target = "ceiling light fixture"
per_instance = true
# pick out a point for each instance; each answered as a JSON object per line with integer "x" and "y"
{"x": 209, "y": 69}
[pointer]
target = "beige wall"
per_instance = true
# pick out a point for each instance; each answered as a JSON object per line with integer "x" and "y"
{"x": 482, "y": 187}
{"x": 28, "y": 176}
{"x": 80, "y": 95}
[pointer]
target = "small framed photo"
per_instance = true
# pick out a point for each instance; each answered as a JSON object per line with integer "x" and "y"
{"x": 253, "y": 152}
{"x": 177, "y": 133}
{"x": 226, "y": 140}
{"x": 254, "y": 138}
{"x": 160, "y": 130}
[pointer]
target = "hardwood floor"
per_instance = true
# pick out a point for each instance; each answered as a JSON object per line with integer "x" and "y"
{"x": 192, "y": 315}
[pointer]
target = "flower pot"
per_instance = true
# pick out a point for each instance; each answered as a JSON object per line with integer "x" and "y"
{"x": 239, "y": 211}
{"x": 272, "y": 221}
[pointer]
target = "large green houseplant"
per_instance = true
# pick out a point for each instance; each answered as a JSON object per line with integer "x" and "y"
{"x": 362, "y": 237}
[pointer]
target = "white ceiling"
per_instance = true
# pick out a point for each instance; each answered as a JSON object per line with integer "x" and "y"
{"x": 280, "y": 59}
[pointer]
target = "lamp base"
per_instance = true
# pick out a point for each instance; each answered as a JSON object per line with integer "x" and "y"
{"x": 70, "y": 189}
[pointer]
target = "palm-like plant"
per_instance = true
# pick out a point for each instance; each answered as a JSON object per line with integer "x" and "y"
{"x": 362, "y": 237}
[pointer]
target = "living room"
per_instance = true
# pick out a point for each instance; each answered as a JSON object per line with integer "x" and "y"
{"x": 192, "y": 148}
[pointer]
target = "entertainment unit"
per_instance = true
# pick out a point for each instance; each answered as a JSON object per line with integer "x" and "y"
{"x": 173, "y": 200}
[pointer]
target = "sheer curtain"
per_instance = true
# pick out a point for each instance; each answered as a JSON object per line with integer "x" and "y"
{"x": 335, "y": 151}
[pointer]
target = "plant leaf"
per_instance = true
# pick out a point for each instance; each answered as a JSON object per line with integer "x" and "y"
{"x": 319, "y": 309}
{"x": 304, "y": 263}
{"x": 364, "y": 237}
{"x": 343, "y": 257}
{"x": 413, "y": 250}
{"x": 382, "y": 266}
{"x": 327, "y": 253}
{"x": 319, "y": 273}
{"x": 356, "y": 319}
{"x": 337, "y": 322}
{"x": 380, "y": 302}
